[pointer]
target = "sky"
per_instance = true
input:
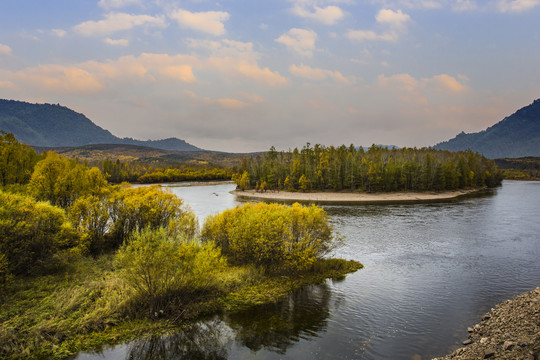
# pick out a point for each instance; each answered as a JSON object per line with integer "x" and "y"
{"x": 245, "y": 75}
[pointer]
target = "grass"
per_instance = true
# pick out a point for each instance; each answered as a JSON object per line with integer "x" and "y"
{"x": 88, "y": 306}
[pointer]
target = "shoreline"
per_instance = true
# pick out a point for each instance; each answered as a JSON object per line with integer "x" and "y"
{"x": 355, "y": 198}
{"x": 511, "y": 330}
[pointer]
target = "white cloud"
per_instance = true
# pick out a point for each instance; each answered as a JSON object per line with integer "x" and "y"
{"x": 6, "y": 84}
{"x": 117, "y": 42}
{"x": 328, "y": 15}
{"x": 114, "y": 4}
{"x": 517, "y": 5}
{"x": 415, "y": 91}
{"x": 61, "y": 79}
{"x": 301, "y": 41}
{"x": 395, "y": 19}
{"x": 368, "y": 35}
{"x": 59, "y": 32}
{"x": 114, "y": 22}
{"x": 210, "y": 22}
{"x": 310, "y": 73}
{"x": 464, "y": 5}
{"x": 5, "y": 50}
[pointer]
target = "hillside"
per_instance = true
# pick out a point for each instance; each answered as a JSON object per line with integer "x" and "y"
{"x": 95, "y": 153}
{"x": 51, "y": 125}
{"x": 517, "y": 135}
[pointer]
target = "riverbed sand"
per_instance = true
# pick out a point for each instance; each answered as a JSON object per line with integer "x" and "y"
{"x": 349, "y": 197}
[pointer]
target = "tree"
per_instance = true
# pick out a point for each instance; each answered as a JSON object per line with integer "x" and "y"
{"x": 34, "y": 235}
{"x": 277, "y": 237}
{"x": 17, "y": 160}
{"x": 61, "y": 181}
{"x": 159, "y": 265}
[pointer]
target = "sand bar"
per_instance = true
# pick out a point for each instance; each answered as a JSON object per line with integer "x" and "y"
{"x": 353, "y": 198}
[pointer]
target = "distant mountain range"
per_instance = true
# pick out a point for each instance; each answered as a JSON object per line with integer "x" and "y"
{"x": 517, "y": 135}
{"x": 48, "y": 125}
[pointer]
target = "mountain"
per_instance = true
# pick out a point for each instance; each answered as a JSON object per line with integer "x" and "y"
{"x": 517, "y": 135}
{"x": 51, "y": 125}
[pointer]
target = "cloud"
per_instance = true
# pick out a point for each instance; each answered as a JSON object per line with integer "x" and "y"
{"x": 301, "y": 41}
{"x": 115, "y": 22}
{"x": 446, "y": 83}
{"x": 59, "y": 32}
{"x": 117, "y": 42}
{"x": 328, "y": 15}
{"x": 245, "y": 69}
{"x": 111, "y": 4}
{"x": 310, "y": 73}
{"x": 224, "y": 103}
{"x": 6, "y": 85}
{"x": 411, "y": 90}
{"x": 413, "y": 4}
{"x": 61, "y": 79}
{"x": 5, "y": 50}
{"x": 368, "y": 35}
{"x": 180, "y": 72}
{"x": 395, "y": 21}
{"x": 517, "y": 5}
{"x": 209, "y": 22}
{"x": 464, "y": 5}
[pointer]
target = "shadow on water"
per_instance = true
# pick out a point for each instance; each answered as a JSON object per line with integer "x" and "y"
{"x": 274, "y": 327}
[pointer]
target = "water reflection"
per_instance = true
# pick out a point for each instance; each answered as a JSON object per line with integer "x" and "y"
{"x": 276, "y": 327}
{"x": 201, "y": 341}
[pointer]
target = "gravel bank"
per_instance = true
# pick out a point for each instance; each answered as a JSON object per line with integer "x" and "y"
{"x": 509, "y": 331}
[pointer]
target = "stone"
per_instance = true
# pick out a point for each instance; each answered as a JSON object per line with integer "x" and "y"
{"x": 484, "y": 340}
{"x": 486, "y": 317}
{"x": 509, "y": 344}
{"x": 470, "y": 329}
{"x": 467, "y": 342}
{"x": 489, "y": 352}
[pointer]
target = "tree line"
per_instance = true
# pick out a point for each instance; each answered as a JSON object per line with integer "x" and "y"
{"x": 321, "y": 168}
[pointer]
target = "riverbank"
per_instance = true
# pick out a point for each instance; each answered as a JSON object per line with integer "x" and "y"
{"x": 509, "y": 331}
{"x": 87, "y": 306}
{"x": 354, "y": 198}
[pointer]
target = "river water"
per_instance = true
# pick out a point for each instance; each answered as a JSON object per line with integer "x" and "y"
{"x": 431, "y": 270}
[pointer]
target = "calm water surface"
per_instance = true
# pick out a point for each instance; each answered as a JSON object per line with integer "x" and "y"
{"x": 430, "y": 271}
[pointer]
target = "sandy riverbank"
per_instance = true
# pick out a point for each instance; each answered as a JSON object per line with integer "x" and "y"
{"x": 345, "y": 197}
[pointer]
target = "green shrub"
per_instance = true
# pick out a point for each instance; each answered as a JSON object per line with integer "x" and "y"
{"x": 108, "y": 219}
{"x": 277, "y": 237}
{"x": 34, "y": 235}
{"x": 159, "y": 266}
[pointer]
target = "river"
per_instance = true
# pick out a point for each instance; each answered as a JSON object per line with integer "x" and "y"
{"x": 431, "y": 270}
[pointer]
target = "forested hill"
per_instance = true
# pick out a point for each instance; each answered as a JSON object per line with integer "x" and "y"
{"x": 55, "y": 125}
{"x": 517, "y": 135}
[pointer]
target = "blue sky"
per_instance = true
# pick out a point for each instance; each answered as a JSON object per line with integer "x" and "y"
{"x": 246, "y": 75}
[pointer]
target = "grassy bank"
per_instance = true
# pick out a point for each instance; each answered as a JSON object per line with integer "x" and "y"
{"x": 88, "y": 305}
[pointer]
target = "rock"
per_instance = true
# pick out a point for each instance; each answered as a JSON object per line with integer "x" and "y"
{"x": 509, "y": 344}
{"x": 486, "y": 317}
{"x": 484, "y": 340}
{"x": 489, "y": 352}
{"x": 467, "y": 342}
{"x": 470, "y": 329}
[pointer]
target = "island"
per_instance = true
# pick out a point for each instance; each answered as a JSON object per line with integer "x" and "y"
{"x": 356, "y": 197}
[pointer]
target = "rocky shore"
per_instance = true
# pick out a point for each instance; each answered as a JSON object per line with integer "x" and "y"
{"x": 509, "y": 331}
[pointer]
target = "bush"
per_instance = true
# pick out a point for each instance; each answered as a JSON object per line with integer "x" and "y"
{"x": 133, "y": 208}
{"x": 62, "y": 181}
{"x": 33, "y": 235}
{"x": 108, "y": 219}
{"x": 159, "y": 266}
{"x": 277, "y": 237}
